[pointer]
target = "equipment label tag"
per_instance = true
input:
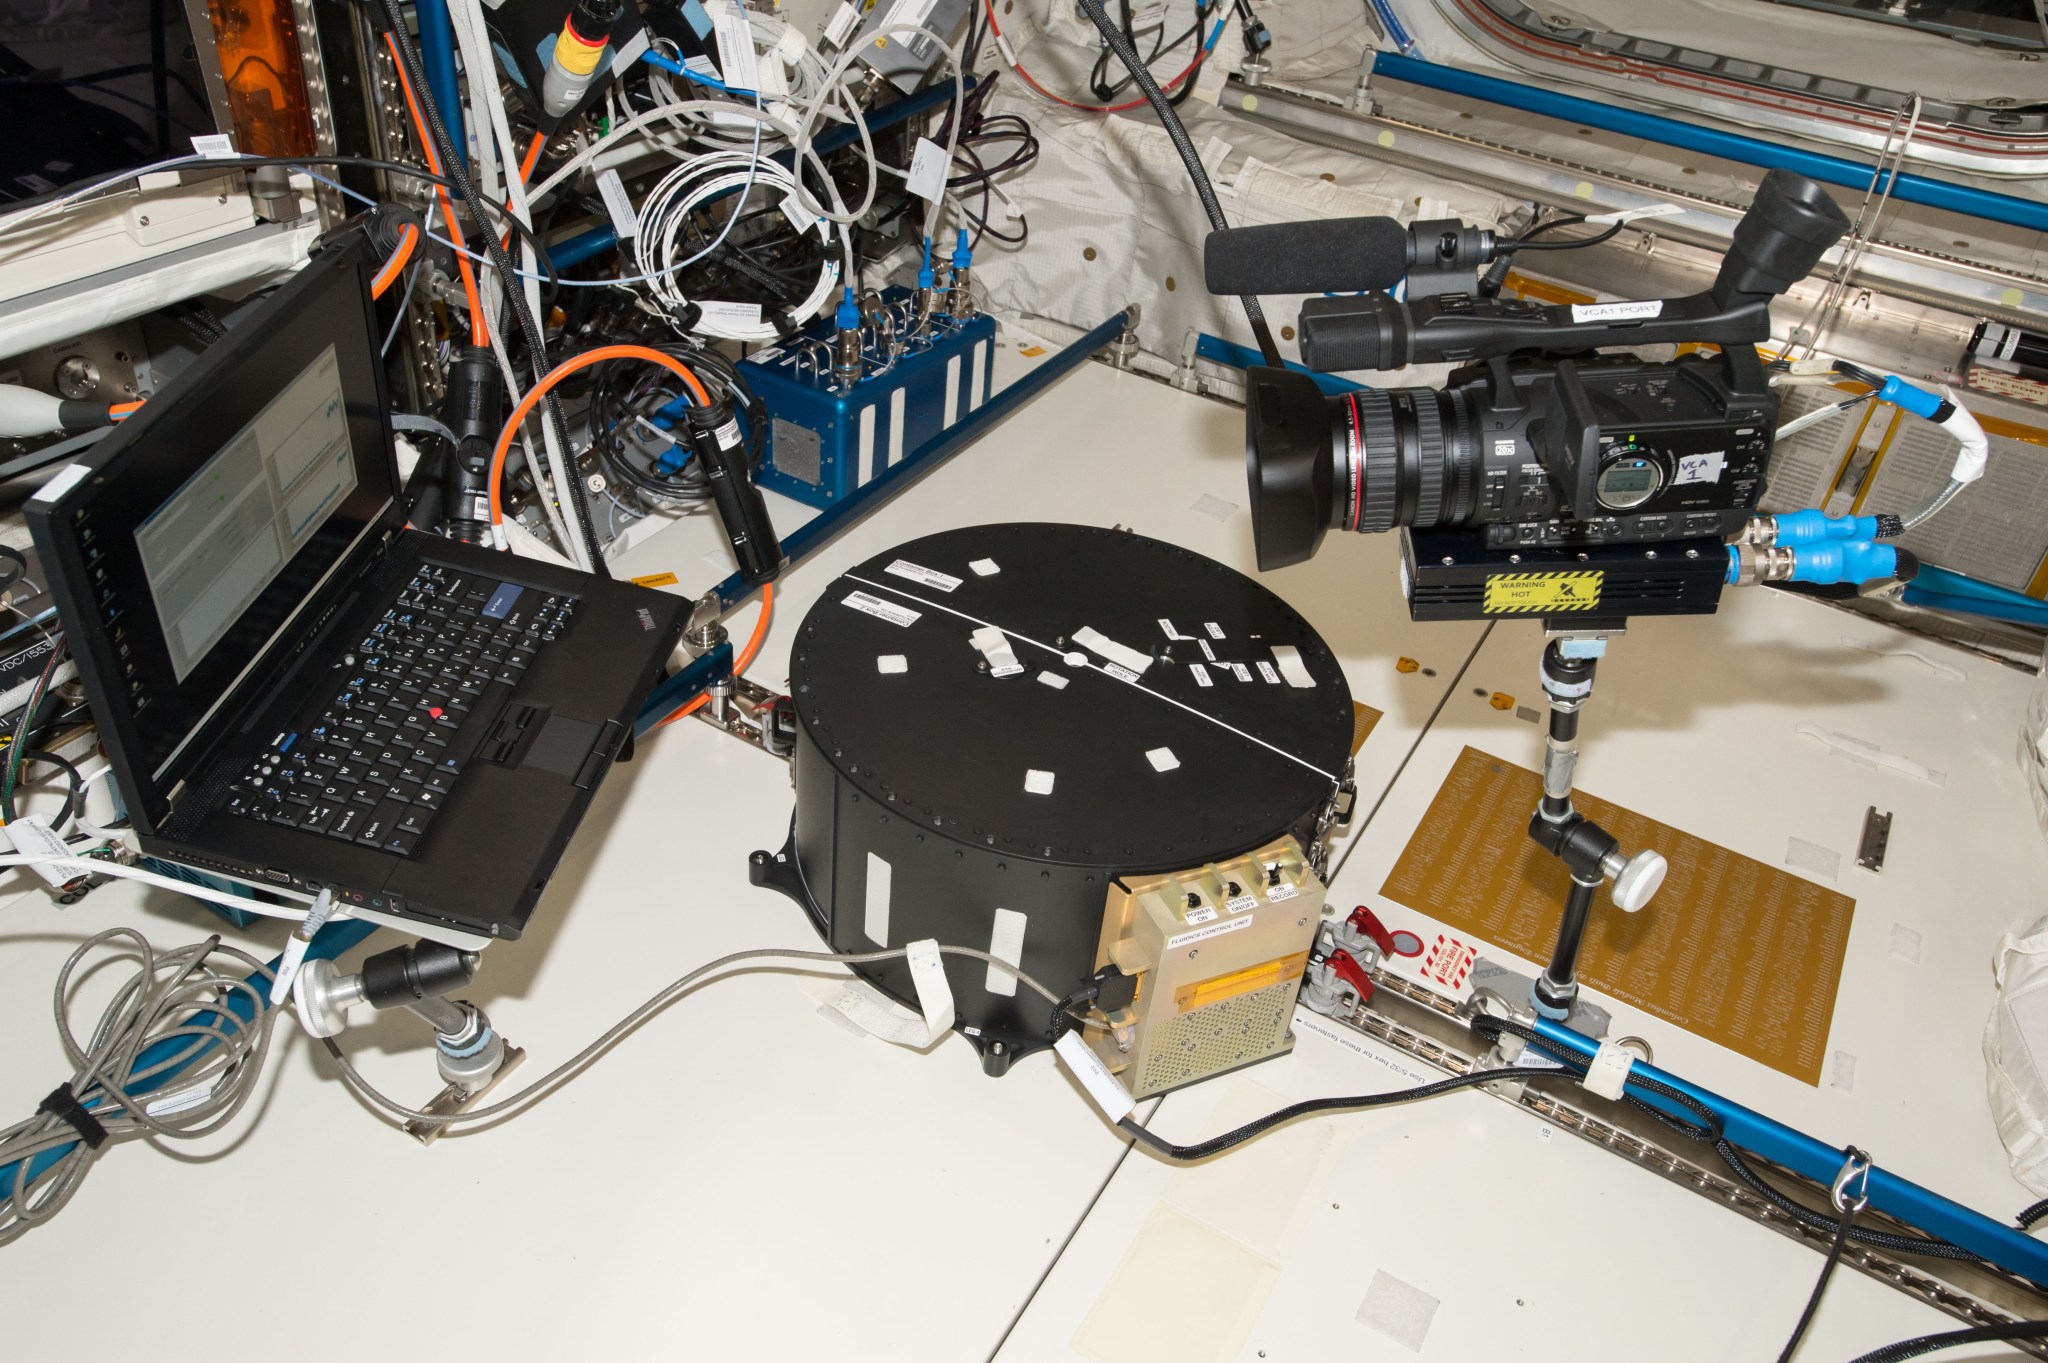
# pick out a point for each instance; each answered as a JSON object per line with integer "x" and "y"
{"x": 613, "y": 191}
{"x": 1240, "y": 671}
{"x": 1701, "y": 468}
{"x": 33, "y": 838}
{"x": 927, "y": 177}
{"x": 1617, "y": 312}
{"x": 883, "y": 610}
{"x": 1241, "y": 903}
{"x": 1201, "y": 674}
{"x": 1276, "y": 893}
{"x": 730, "y": 314}
{"x": 1105, "y": 1088}
{"x": 1266, "y": 671}
{"x": 930, "y": 577}
{"x": 736, "y": 48}
{"x": 1207, "y": 652}
{"x": 1182, "y": 939}
{"x": 1120, "y": 673}
{"x": 1541, "y": 593}
{"x": 1205, "y": 914}
{"x": 1215, "y": 630}
{"x": 841, "y": 28}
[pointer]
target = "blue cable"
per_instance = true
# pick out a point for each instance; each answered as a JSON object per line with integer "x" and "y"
{"x": 336, "y": 938}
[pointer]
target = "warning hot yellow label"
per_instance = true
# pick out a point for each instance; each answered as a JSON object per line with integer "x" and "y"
{"x": 1541, "y": 593}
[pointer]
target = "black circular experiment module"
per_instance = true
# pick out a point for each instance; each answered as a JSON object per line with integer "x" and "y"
{"x": 1156, "y": 711}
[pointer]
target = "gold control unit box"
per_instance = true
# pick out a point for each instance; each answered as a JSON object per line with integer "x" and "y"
{"x": 1219, "y": 953}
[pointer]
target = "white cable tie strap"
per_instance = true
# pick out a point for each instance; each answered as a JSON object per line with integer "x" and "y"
{"x": 994, "y": 645}
{"x": 934, "y": 995}
{"x": 1291, "y": 666}
{"x": 1607, "y": 1075}
{"x": 1870, "y": 754}
{"x": 1976, "y": 446}
{"x": 1631, "y": 214}
{"x": 1122, "y": 655}
{"x": 1105, "y": 1088}
{"x": 879, "y": 1017}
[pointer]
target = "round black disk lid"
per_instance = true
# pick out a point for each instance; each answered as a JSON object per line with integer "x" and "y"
{"x": 1074, "y": 695}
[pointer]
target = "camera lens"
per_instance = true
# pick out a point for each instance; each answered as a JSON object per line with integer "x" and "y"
{"x": 1367, "y": 460}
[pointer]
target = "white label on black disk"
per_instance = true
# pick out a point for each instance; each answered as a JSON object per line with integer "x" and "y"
{"x": 882, "y": 610}
{"x": 1201, "y": 674}
{"x": 930, "y": 577}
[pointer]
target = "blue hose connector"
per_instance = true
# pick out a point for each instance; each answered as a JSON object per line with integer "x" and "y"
{"x": 1918, "y": 401}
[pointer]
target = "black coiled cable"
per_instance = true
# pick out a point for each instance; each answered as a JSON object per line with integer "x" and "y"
{"x": 1183, "y": 144}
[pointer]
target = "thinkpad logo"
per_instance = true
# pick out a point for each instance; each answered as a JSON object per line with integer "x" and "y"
{"x": 646, "y": 620}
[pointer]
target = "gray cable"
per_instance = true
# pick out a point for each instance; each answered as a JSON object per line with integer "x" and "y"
{"x": 158, "y": 1002}
{"x": 1926, "y": 513}
{"x": 554, "y": 1078}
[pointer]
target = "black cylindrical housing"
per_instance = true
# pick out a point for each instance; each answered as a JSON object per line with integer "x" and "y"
{"x": 715, "y": 436}
{"x": 1291, "y": 452}
{"x": 422, "y": 970}
{"x": 1355, "y": 332}
{"x": 939, "y": 797}
{"x": 474, "y": 413}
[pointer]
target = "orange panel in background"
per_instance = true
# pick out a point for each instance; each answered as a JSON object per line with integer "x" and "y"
{"x": 259, "y": 58}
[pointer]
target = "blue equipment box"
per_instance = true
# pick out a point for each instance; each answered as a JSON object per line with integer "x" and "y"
{"x": 825, "y": 444}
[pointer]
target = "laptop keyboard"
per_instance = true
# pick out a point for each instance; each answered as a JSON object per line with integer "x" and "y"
{"x": 377, "y": 766}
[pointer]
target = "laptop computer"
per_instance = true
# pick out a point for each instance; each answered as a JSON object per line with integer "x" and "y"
{"x": 297, "y": 691}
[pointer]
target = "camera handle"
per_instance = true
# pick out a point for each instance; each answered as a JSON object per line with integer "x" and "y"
{"x": 1590, "y": 853}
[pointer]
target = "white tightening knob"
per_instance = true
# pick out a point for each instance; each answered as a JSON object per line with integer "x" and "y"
{"x": 1638, "y": 880}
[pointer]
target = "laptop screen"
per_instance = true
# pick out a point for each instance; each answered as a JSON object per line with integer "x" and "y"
{"x": 207, "y": 533}
{"x": 223, "y": 537}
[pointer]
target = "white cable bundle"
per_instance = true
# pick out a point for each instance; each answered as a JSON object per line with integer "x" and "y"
{"x": 787, "y": 51}
{"x": 667, "y": 210}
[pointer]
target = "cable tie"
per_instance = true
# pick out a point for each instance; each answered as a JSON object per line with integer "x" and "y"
{"x": 62, "y": 1103}
{"x": 1607, "y": 1075}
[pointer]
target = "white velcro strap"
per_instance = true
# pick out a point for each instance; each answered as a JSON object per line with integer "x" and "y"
{"x": 878, "y": 1017}
{"x": 995, "y": 646}
{"x": 1608, "y": 1072}
{"x": 1105, "y": 1088}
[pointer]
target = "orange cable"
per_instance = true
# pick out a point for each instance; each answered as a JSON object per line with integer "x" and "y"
{"x": 746, "y": 657}
{"x": 479, "y": 332}
{"x": 563, "y": 371}
{"x": 396, "y": 265}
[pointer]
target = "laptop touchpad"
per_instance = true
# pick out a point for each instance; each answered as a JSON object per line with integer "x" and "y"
{"x": 562, "y": 745}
